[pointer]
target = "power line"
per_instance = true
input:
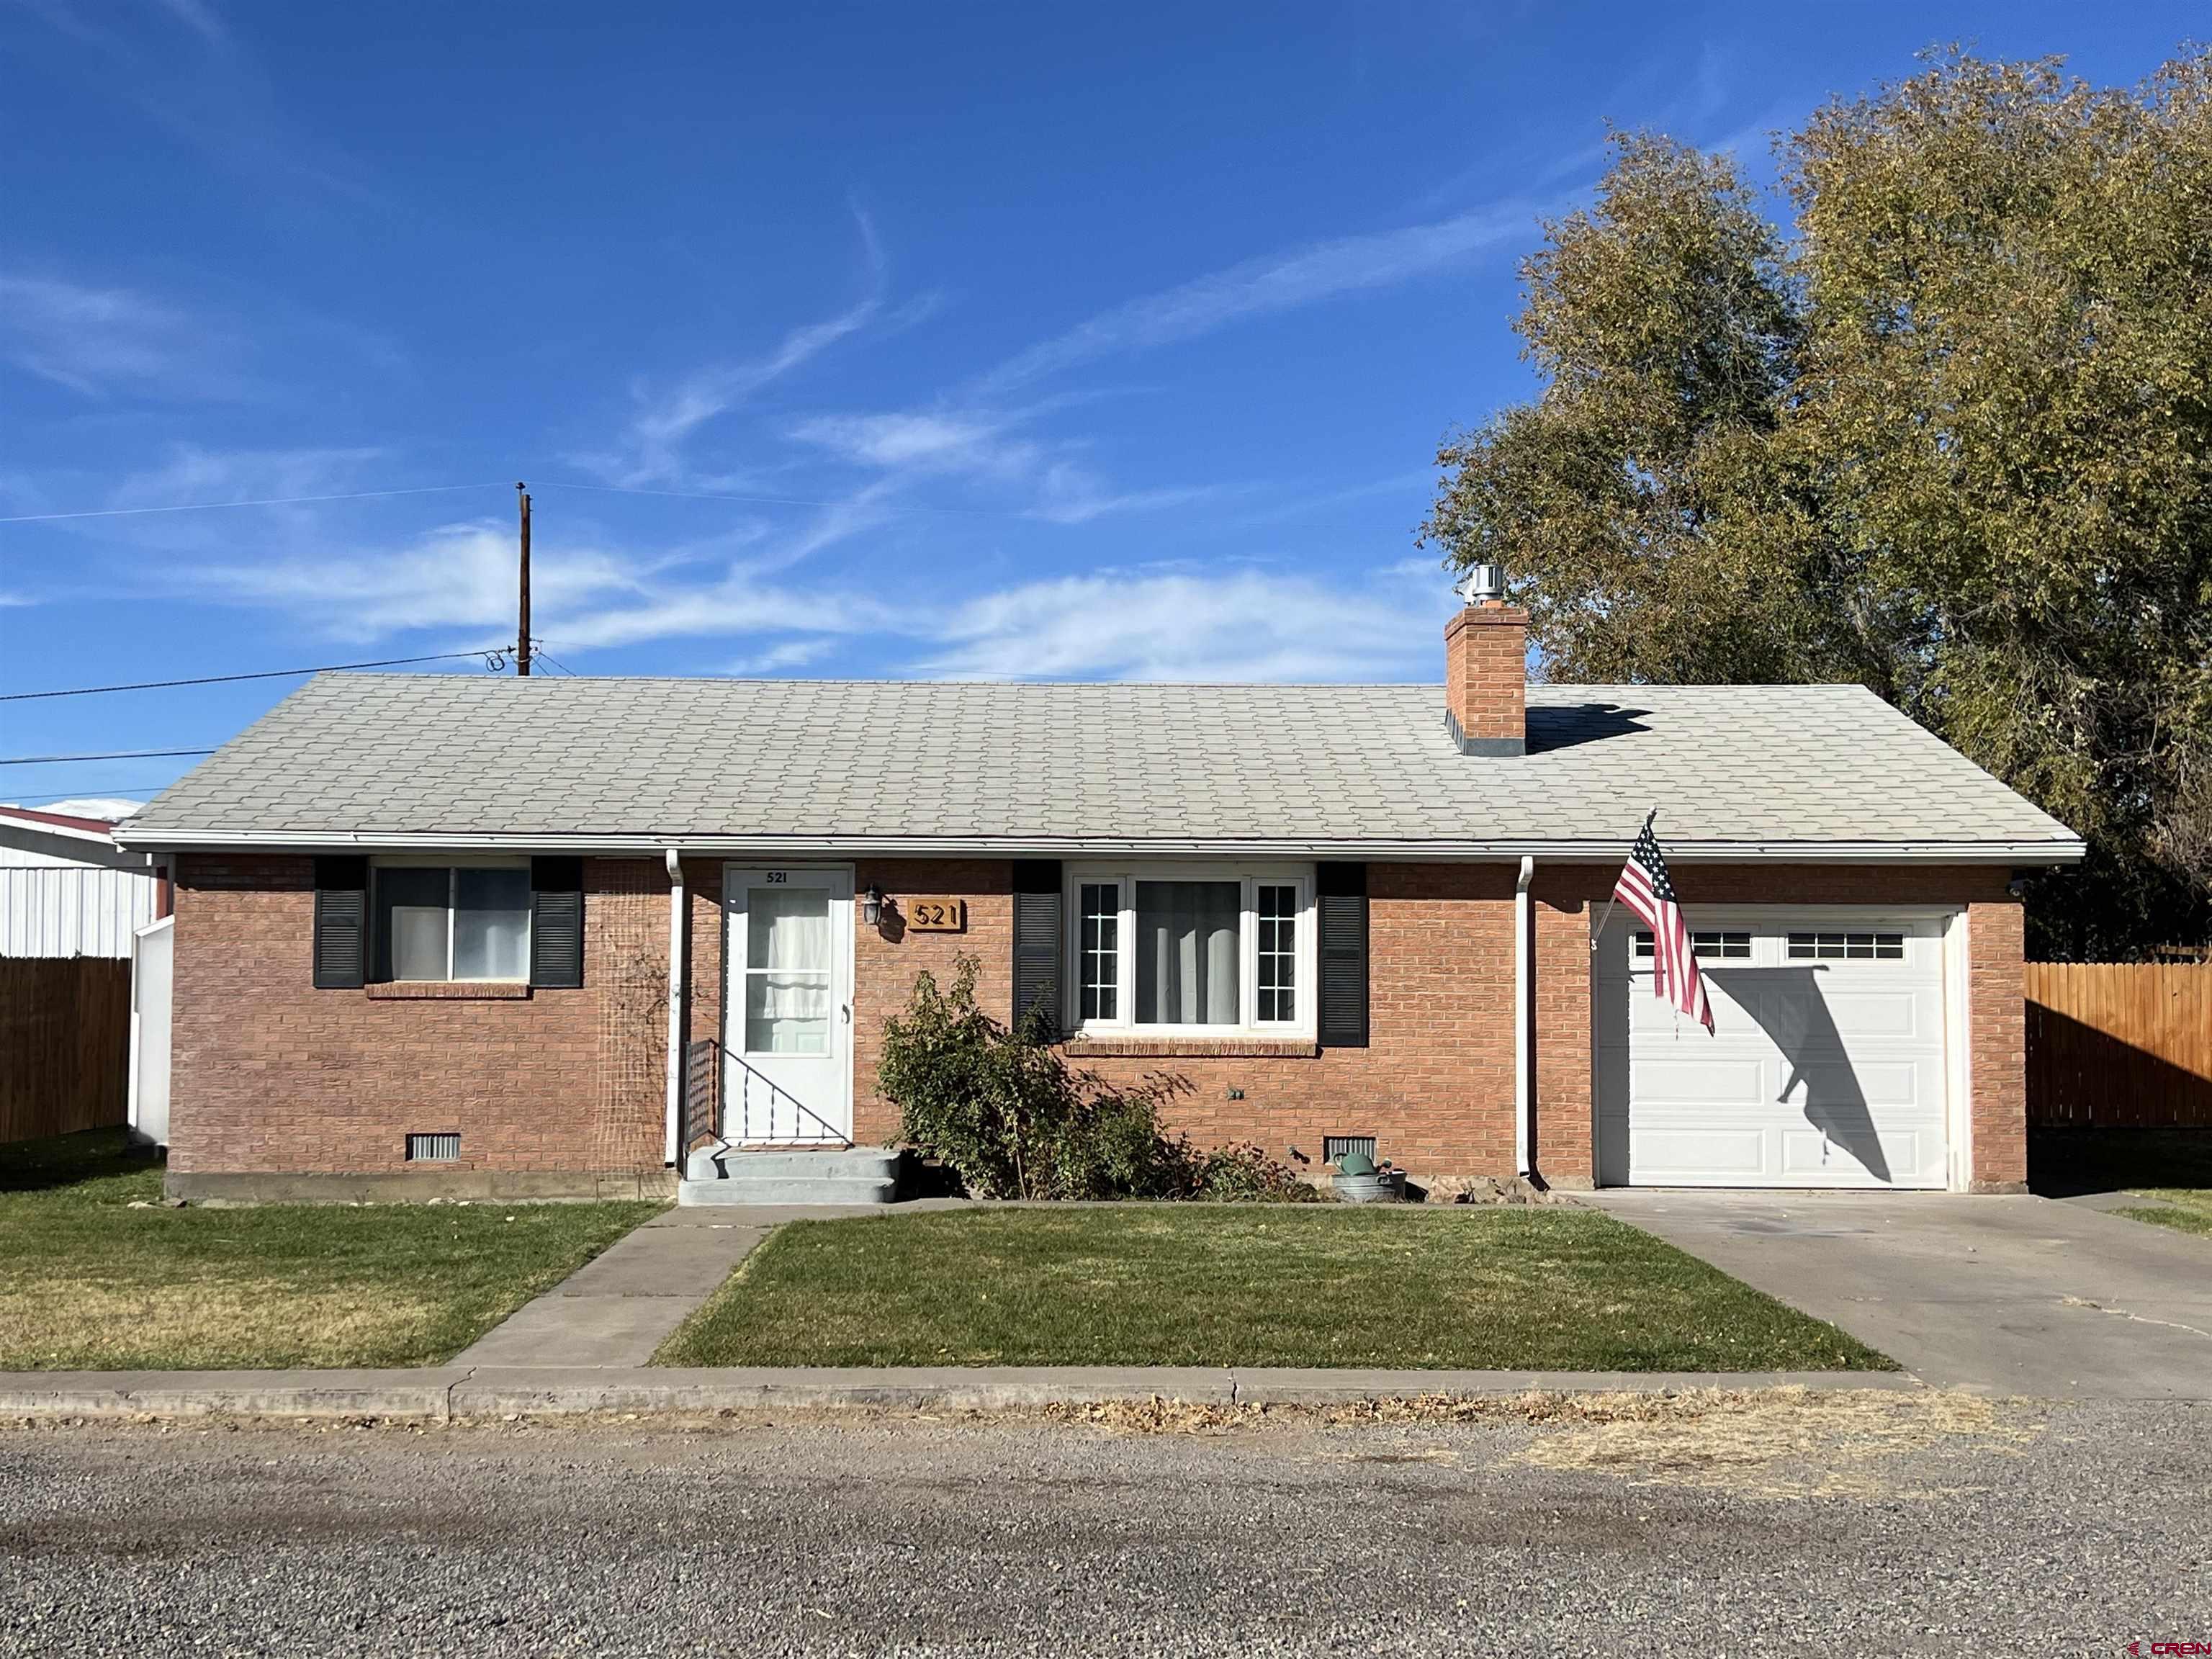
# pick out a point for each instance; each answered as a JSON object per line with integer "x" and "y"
{"x": 97, "y": 786}
{"x": 121, "y": 754}
{"x": 494, "y": 652}
{"x": 275, "y": 500}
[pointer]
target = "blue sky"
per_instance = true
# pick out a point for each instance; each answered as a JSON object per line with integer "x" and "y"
{"x": 1073, "y": 342}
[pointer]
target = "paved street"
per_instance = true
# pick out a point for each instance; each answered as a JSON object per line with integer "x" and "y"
{"x": 1862, "y": 1524}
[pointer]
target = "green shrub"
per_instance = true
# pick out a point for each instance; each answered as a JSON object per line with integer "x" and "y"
{"x": 1245, "y": 1174}
{"x": 1004, "y": 1108}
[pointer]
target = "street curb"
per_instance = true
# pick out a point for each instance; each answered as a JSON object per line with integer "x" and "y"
{"x": 441, "y": 1394}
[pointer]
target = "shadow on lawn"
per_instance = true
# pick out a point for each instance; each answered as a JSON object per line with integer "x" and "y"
{"x": 59, "y": 1161}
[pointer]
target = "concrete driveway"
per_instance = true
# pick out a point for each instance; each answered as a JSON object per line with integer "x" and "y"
{"x": 2008, "y": 1294}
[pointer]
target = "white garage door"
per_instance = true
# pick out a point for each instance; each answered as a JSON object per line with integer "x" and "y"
{"x": 1826, "y": 1066}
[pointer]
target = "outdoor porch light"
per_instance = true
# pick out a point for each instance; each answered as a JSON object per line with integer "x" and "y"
{"x": 871, "y": 907}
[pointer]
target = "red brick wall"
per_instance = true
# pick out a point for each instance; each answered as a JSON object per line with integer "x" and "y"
{"x": 272, "y": 1075}
{"x": 1996, "y": 1023}
{"x": 1486, "y": 670}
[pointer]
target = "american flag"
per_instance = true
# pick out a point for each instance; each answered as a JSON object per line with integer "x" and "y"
{"x": 1645, "y": 888}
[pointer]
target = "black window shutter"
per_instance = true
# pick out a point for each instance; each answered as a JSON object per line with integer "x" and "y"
{"x": 341, "y": 924}
{"x": 1037, "y": 938}
{"x": 1342, "y": 898}
{"x": 556, "y": 923}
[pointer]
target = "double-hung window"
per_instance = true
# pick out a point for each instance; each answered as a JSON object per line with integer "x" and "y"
{"x": 1169, "y": 949}
{"x": 469, "y": 921}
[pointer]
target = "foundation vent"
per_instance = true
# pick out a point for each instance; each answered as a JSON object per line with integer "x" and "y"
{"x": 433, "y": 1149}
{"x": 1334, "y": 1149}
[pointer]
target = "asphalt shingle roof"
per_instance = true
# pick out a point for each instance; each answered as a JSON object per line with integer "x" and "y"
{"x": 363, "y": 757}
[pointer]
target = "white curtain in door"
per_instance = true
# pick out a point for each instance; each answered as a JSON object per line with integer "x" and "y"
{"x": 787, "y": 971}
{"x": 1186, "y": 952}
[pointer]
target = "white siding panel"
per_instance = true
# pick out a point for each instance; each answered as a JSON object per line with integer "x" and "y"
{"x": 49, "y": 909}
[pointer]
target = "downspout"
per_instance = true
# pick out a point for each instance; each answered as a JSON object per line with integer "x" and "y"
{"x": 674, "y": 1005}
{"x": 1524, "y": 1017}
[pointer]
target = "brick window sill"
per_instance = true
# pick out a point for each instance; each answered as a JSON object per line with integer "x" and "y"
{"x": 1083, "y": 1047}
{"x": 466, "y": 990}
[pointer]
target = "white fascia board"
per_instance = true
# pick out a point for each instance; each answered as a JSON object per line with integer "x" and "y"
{"x": 1608, "y": 850}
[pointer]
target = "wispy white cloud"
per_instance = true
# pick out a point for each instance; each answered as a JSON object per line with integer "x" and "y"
{"x": 652, "y": 446}
{"x": 1271, "y": 283}
{"x": 98, "y": 340}
{"x": 178, "y": 65}
{"x": 782, "y": 658}
{"x": 923, "y": 441}
{"x": 193, "y": 472}
{"x": 652, "y": 449}
{"x": 1237, "y": 625}
{"x": 1039, "y": 478}
{"x": 457, "y": 576}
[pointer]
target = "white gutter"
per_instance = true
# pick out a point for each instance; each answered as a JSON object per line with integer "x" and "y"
{"x": 1581, "y": 850}
{"x": 1524, "y": 1016}
{"x": 675, "y": 1004}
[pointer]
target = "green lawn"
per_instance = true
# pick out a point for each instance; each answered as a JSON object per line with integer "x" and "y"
{"x": 2172, "y": 1164}
{"x": 1213, "y": 1284}
{"x": 2192, "y": 1213}
{"x": 87, "y": 1283}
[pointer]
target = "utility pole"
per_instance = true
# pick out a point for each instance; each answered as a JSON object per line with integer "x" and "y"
{"x": 522, "y": 620}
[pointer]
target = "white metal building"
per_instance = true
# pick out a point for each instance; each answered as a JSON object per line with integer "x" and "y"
{"x": 67, "y": 890}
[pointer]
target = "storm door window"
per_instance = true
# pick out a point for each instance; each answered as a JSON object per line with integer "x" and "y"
{"x": 453, "y": 923}
{"x": 788, "y": 970}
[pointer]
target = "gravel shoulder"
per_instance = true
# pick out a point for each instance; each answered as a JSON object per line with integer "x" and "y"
{"x": 1871, "y": 1523}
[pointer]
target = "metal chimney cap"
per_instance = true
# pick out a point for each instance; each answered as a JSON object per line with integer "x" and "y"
{"x": 1485, "y": 583}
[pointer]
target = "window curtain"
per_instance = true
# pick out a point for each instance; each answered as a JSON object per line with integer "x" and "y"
{"x": 1186, "y": 952}
{"x": 491, "y": 924}
{"x": 787, "y": 971}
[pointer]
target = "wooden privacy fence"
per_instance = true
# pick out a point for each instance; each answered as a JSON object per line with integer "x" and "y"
{"x": 64, "y": 1044}
{"x": 2120, "y": 1045}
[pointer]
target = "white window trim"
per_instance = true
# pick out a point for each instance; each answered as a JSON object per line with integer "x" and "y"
{"x": 1250, "y": 877}
{"x": 379, "y": 946}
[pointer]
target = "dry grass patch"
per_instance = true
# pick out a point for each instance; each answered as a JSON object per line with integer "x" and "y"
{"x": 1793, "y": 1443}
{"x": 97, "y": 1275}
{"x": 1767, "y": 1443}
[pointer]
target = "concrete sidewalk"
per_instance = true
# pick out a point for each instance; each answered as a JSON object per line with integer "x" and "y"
{"x": 618, "y": 1308}
{"x": 445, "y": 1392}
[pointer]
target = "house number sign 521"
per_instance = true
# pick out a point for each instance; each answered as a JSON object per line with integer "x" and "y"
{"x": 937, "y": 915}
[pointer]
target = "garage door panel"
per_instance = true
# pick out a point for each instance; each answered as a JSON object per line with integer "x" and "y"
{"x": 1823, "y": 1072}
{"x": 1869, "y": 1012}
{"x": 1839, "y": 1084}
{"x": 1693, "y": 1083}
{"x": 1696, "y": 1157}
{"x": 1889, "y": 1159}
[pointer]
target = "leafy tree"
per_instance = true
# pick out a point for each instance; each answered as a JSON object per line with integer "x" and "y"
{"x": 1952, "y": 439}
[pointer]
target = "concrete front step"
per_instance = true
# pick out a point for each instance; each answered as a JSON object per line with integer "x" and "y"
{"x": 787, "y": 1190}
{"x": 813, "y": 1163}
{"x": 820, "y": 1175}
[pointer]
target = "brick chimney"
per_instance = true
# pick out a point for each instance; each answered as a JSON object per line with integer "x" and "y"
{"x": 1487, "y": 670}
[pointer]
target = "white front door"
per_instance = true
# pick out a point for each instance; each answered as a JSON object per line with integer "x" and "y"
{"x": 787, "y": 1007}
{"x": 1826, "y": 1066}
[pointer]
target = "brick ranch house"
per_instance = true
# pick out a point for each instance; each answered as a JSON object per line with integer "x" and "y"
{"x": 446, "y": 934}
